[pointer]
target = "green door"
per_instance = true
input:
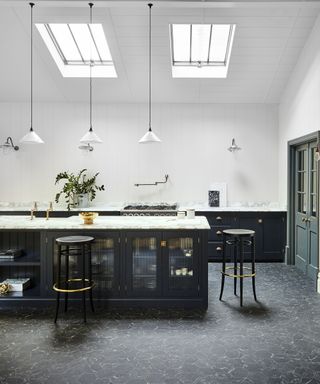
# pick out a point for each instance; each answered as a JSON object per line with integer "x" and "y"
{"x": 306, "y": 227}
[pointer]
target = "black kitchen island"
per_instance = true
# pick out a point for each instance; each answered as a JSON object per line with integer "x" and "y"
{"x": 149, "y": 262}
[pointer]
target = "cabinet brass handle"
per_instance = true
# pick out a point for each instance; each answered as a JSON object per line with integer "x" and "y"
{"x": 218, "y": 233}
{"x": 218, "y": 249}
{"x": 163, "y": 243}
{"x": 260, "y": 221}
{"x": 218, "y": 218}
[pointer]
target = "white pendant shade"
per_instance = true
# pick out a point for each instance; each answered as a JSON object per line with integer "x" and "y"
{"x": 31, "y": 138}
{"x": 91, "y": 138}
{"x": 149, "y": 137}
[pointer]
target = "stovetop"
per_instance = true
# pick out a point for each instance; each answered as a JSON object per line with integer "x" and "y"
{"x": 151, "y": 207}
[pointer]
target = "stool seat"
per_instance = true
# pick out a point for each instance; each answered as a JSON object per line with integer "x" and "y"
{"x": 72, "y": 240}
{"x": 239, "y": 232}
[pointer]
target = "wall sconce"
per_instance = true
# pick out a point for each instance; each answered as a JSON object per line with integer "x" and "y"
{"x": 88, "y": 147}
{"x": 234, "y": 147}
{"x": 9, "y": 145}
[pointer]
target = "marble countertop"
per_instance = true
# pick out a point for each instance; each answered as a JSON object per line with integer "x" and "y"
{"x": 104, "y": 222}
{"x": 118, "y": 206}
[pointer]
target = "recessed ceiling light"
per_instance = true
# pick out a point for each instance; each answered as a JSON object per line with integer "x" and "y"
{"x": 73, "y": 45}
{"x": 201, "y": 50}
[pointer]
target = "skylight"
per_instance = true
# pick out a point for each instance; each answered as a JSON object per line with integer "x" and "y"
{"x": 201, "y": 50}
{"x": 74, "y": 46}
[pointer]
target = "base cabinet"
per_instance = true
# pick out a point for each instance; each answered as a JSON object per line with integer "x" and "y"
{"x": 269, "y": 227}
{"x": 157, "y": 269}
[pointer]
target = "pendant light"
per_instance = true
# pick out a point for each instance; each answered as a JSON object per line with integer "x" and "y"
{"x": 149, "y": 137}
{"x": 90, "y": 137}
{"x": 31, "y": 137}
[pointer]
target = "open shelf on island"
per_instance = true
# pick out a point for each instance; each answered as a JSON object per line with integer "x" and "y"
{"x": 31, "y": 259}
{"x": 29, "y": 293}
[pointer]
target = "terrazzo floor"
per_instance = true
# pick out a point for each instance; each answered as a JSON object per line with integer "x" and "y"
{"x": 274, "y": 341}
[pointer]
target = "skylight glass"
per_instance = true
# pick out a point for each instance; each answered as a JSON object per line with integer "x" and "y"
{"x": 74, "y": 46}
{"x": 201, "y": 50}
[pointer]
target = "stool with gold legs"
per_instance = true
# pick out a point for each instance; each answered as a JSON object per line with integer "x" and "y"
{"x": 79, "y": 248}
{"x": 238, "y": 238}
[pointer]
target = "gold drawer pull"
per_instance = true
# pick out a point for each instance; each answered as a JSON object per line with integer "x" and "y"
{"x": 218, "y": 249}
{"x": 218, "y": 233}
{"x": 163, "y": 243}
{"x": 218, "y": 218}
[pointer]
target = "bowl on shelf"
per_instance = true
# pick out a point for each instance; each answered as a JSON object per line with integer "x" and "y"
{"x": 88, "y": 217}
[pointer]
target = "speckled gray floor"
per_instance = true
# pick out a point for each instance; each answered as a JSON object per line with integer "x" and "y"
{"x": 276, "y": 341}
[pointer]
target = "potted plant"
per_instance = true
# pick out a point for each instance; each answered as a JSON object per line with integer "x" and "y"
{"x": 78, "y": 189}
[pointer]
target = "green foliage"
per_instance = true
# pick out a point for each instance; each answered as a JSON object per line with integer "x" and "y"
{"x": 77, "y": 185}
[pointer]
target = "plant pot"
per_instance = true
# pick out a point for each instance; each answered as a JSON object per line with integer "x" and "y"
{"x": 83, "y": 200}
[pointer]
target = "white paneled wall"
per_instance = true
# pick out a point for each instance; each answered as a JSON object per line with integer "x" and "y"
{"x": 299, "y": 111}
{"x": 193, "y": 152}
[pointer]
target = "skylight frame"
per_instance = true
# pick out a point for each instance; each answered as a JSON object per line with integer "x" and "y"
{"x": 81, "y": 67}
{"x": 210, "y": 68}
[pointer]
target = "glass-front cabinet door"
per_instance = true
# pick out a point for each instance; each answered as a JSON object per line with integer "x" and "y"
{"x": 180, "y": 253}
{"x": 143, "y": 264}
{"x": 105, "y": 261}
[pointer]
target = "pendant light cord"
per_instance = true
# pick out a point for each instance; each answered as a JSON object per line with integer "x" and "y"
{"x": 31, "y": 68}
{"x": 90, "y": 70}
{"x": 150, "y": 5}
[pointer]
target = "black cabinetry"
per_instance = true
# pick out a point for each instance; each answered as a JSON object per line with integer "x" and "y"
{"x": 270, "y": 228}
{"x": 159, "y": 269}
{"x": 28, "y": 265}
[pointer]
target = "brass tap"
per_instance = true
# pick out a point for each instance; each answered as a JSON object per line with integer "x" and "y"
{"x": 32, "y": 213}
{"x": 33, "y": 210}
{"x": 50, "y": 209}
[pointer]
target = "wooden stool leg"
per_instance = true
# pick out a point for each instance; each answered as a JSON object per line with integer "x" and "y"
{"x": 58, "y": 283}
{"x": 241, "y": 270}
{"x": 67, "y": 278}
{"x": 223, "y": 266}
{"x": 253, "y": 259}
{"x": 83, "y": 283}
{"x": 235, "y": 264}
{"x": 90, "y": 276}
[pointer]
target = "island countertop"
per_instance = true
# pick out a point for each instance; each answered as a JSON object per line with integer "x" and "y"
{"x": 105, "y": 222}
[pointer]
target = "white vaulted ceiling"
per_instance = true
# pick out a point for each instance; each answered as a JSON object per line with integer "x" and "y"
{"x": 268, "y": 41}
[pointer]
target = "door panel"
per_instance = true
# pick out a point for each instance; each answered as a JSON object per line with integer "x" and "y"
{"x": 306, "y": 221}
{"x": 143, "y": 264}
{"x": 180, "y": 265}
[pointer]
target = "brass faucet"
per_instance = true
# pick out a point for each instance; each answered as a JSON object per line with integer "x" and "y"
{"x": 50, "y": 209}
{"x": 33, "y": 210}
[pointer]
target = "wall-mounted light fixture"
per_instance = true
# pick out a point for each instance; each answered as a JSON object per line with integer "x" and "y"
{"x": 234, "y": 147}
{"x": 317, "y": 153}
{"x": 86, "y": 147}
{"x": 9, "y": 144}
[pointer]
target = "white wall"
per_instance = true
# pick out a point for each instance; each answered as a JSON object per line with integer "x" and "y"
{"x": 299, "y": 110}
{"x": 193, "y": 152}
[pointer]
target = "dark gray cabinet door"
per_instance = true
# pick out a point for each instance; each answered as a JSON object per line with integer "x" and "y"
{"x": 306, "y": 227}
{"x": 105, "y": 263}
{"x": 143, "y": 264}
{"x": 180, "y": 264}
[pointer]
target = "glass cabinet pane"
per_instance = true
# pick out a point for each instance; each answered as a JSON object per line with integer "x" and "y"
{"x": 181, "y": 262}
{"x": 103, "y": 259}
{"x": 144, "y": 263}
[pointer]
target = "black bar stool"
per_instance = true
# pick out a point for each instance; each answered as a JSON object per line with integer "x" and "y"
{"x": 238, "y": 238}
{"x": 80, "y": 247}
